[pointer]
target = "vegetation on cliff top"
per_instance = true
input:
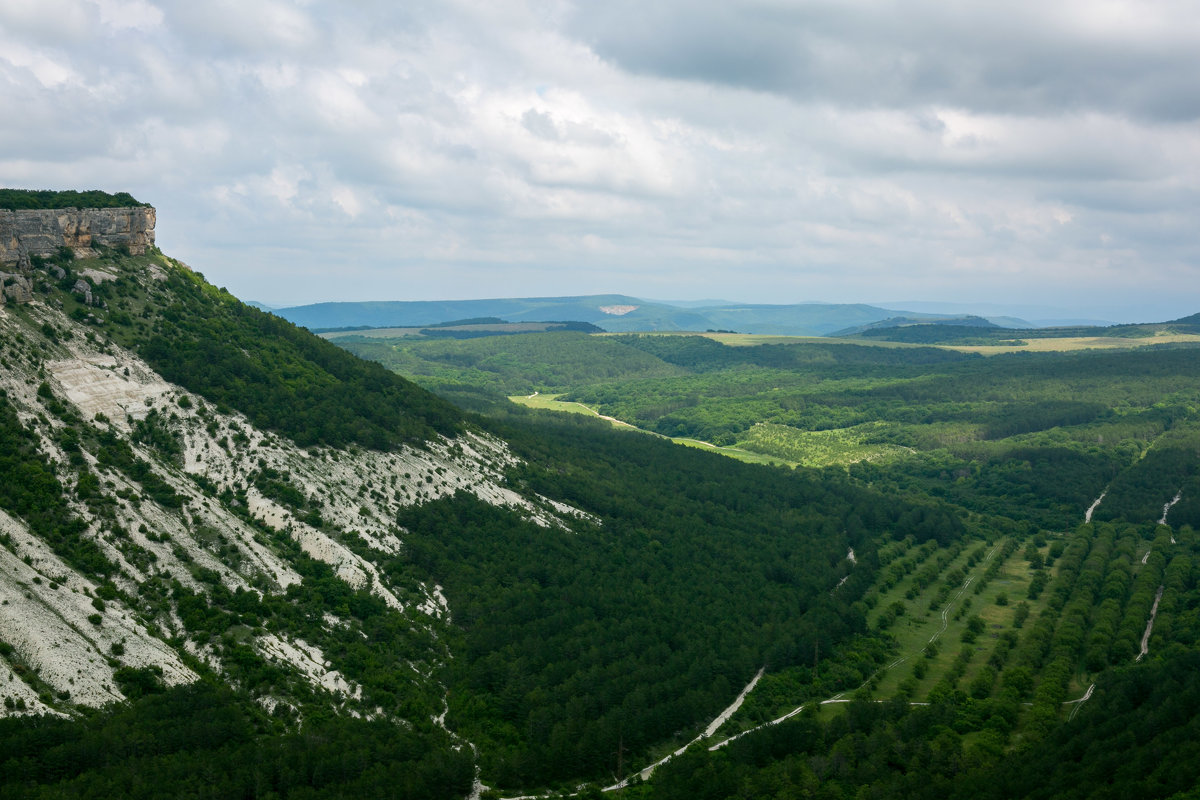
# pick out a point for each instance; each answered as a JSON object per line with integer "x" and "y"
{"x": 24, "y": 199}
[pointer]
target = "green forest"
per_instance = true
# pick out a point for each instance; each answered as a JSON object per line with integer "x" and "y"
{"x": 969, "y": 577}
{"x": 1034, "y": 436}
{"x": 1017, "y": 448}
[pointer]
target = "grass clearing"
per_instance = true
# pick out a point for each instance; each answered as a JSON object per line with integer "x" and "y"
{"x": 1031, "y": 345}
{"x": 835, "y": 447}
{"x": 550, "y": 402}
{"x": 1071, "y": 343}
{"x": 753, "y": 339}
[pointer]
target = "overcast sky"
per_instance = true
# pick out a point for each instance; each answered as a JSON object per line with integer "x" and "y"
{"x": 1022, "y": 153}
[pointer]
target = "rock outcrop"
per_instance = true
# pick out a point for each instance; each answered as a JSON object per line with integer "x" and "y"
{"x": 17, "y": 287}
{"x": 84, "y": 290}
{"x": 41, "y": 232}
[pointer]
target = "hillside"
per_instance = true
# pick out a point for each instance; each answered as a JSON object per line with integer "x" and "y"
{"x": 138, "y": 496}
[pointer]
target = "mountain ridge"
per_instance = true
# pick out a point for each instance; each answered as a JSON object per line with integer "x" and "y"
{"x": 613, "y": 312}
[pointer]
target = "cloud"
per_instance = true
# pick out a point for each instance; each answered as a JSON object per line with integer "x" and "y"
{"x": 1018, "y": 57}
{"x": 759, "y": 150}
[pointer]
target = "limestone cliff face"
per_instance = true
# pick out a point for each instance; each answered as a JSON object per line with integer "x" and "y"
{"x": 42, "y": 232}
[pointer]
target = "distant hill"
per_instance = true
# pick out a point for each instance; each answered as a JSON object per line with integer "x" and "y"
{"x": 612, "y": 312}
{"x": 969, "y": 322}
{"x": 1190, "y": 321}
{"x": 458, "y": 329}
{"x": 424, "y": 313}
{"x": 975, "y": 330}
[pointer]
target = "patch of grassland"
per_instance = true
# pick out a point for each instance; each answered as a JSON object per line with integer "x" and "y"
{"x": 550, "y": 402}
{"x": 1070, "y": 343}
{"x": 753, "y": 339}
{"x": 1032, "y": 345}
{"x": 836, "y": 447}
{"x": 374, "y": 333}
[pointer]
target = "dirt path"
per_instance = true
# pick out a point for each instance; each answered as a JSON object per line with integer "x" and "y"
{"x": 1079, "y": 703}
{"x": 835, "y": 699}
{"x": 712, "y": 728}
{"x": 1167, "y": 508}
{"x": 613, "y": 420}
{"x": 958, "y": 596}
{"x": 724, "y": 716}
{"x": 1150, "y": 626}
{"x": 946, "y": 611}
{"x": 677, "y": 439}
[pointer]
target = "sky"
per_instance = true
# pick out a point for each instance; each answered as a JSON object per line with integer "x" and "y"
{"x": 1020, "y": 154}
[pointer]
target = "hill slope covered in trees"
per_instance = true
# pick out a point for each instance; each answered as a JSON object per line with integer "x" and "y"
{"x": 241, "y": 542}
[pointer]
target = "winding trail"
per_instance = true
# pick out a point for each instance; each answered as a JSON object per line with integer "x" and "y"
{"x": 958, "y": 596}
{"x": 1079, "y": 703}
{"x": 712, "y": 728}
{"x": 946, "y": 611}
{"x": 1167, "y": 509}
{"x": 614, "y": 420}
{"x": 1149, "y": 626}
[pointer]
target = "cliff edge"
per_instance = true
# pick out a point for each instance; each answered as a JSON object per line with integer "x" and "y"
{"x": 41, "y": 232}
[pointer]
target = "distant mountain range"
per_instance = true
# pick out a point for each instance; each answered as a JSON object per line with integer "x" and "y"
{"x": 621, "y": 313}
{"x": 975, "y": 330}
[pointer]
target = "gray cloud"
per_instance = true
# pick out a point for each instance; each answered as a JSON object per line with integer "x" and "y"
{"x": 1022, "y": 57}
{"x": 770, "y": 151}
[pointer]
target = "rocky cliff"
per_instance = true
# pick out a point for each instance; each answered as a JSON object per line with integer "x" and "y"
{"x": 78, "y": 611}
{"x": 41, "y": 232}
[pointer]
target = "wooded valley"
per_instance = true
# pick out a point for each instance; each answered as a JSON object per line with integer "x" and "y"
{"x": 962, "y": 576}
